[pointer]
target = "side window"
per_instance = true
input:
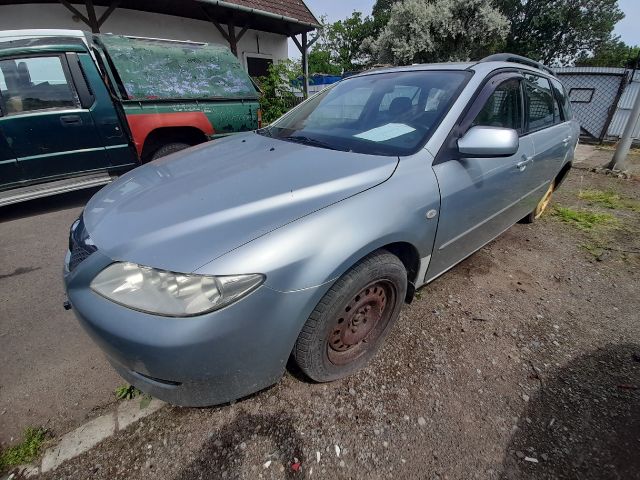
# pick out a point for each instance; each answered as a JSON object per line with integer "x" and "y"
{"x": 561, "y": 94}
{"x": 540, "y": 105}
{"x": 37, "y": 83}
{"x": 503, "y": 108}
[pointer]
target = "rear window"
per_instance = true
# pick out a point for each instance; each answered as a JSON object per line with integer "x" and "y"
{"x": 161, "y": 69}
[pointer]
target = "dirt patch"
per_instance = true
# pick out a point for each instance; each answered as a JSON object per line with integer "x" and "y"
{"x": 521, "y": 362}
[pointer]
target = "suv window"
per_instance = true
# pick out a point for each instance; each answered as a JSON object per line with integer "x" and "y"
{"x": 562, "y": 97}
{"x": 540, "y": 109}
{"x": 37, "y": 83}
{"x": 503, "y": 108}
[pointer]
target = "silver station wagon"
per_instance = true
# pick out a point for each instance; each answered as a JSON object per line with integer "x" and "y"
{"x": 200, "y": 274}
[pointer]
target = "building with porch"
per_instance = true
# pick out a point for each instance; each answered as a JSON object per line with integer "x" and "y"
{"x": 256, "y": 31}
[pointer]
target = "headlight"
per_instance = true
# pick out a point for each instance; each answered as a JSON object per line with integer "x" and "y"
{"x": 168, "y": 293}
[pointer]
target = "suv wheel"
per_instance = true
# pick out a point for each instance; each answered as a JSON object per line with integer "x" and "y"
{"x": 349, "y": 324}
{"x": 169, "y": 148}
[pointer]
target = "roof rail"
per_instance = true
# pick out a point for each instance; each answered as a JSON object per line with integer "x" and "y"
{"x": 512, "y": 57}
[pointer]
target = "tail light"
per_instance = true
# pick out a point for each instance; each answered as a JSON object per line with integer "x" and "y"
{"x": 259, "y": 118}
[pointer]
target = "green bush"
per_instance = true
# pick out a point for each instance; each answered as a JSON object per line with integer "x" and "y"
{"x": 277, "y": 96}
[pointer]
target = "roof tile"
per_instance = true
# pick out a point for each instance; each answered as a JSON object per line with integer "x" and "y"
{"x": 289, "y": 8}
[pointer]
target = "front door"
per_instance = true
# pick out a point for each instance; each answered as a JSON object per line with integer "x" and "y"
{"x": 482, "y": 197}
{"x": 49, "y": 131}
{"x": 9, "y": 170}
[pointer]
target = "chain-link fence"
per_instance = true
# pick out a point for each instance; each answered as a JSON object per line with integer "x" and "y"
{"x": 594, "y": 93}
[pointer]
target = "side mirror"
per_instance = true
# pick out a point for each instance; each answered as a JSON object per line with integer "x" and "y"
{"x": 482, "y": 141}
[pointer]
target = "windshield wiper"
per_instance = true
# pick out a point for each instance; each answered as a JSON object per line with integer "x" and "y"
{"x": 264, "y": 131}
{"x": 313, "y": 142}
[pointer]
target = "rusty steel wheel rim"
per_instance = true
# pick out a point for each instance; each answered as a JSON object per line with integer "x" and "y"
{"x": 361, "y": 322}
{"x": 544, "y": 203}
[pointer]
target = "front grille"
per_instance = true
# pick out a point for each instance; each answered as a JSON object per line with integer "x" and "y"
{"x": 80, "y": 244}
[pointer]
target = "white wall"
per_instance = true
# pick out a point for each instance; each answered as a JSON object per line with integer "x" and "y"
{"x": 133, "y": 22}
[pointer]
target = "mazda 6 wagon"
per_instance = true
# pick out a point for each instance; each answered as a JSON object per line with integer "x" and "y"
{"x": 200, "y": 274}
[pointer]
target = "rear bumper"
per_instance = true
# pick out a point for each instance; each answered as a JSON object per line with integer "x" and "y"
{"x": 196, "y": 361}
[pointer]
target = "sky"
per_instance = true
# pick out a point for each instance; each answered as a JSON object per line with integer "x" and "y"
{"x": 628, "y": 28}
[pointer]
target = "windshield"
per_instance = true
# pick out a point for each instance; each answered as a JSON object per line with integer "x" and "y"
{"x": 382, "y": 114}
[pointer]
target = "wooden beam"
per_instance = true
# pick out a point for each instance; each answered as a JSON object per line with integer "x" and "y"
{"x": 75, "y": 11}
{"x": 242, "y": 32}
{"x": 313, "y": 40}
{"x": 224, "y": 34}
{"x": 107, "y": 13}
{"x": 305, "y": 65}
{"x": 295, "y": 40}
{"x": 91, "y": 14}
{"x": 233, "y": 40}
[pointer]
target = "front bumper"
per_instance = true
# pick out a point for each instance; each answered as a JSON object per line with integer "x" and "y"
{"x": 196, "y": 361}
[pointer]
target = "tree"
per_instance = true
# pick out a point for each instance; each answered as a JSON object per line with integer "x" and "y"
{"x": 338, "y": 49}
{"x": 320, "y": 62}
{"x": 557, "y": 31}
{"x": 422, "y": 31}
{"x": 614, "y": 53}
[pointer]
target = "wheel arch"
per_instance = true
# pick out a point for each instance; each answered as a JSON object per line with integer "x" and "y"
{"x": 562, "y": 175}
{"x": 165, "y": 135}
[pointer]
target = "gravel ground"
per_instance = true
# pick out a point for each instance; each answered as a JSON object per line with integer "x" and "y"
{"x": 521, "y": 362}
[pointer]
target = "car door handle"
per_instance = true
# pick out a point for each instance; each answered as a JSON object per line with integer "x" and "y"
{"x": 71, "y": 120}
{"x": 565, "y": 141}
{"x": 523, "y": 164}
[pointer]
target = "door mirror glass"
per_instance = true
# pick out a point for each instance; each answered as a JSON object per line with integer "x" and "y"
{"x": 480, "y": 141}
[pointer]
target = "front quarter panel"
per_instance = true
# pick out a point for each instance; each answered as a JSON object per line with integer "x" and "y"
{"x": 321, "y": 246}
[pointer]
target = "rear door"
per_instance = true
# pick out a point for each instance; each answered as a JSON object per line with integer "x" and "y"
{"x": 551, "y": 135}
{"x": 481, "y": 197}
{"x": 51, "y": 133}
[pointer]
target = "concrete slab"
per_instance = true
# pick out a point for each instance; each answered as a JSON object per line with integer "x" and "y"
{"x": 79, "y": 441}
{"x": 131, "y": 411}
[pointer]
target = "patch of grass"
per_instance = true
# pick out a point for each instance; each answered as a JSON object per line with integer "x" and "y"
{"x": 24, "y": 452}
{"x": 583, "y": 220}
{"x": 609, "y": 199}
{"x": 127, "y": 392}
{"x": 606, "y": 199}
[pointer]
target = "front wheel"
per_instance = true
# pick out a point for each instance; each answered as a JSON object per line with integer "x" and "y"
{"x": 349, "y": 324}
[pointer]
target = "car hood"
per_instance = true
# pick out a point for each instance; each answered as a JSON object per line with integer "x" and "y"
{"x": 184, "y": 210}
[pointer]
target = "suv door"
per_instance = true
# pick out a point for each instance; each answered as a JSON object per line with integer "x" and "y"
{"x": 481, "y": 197}
{"x": 551, "y": 135}
{"x": 50, "y": 132}
{"x": 9, "y": 170}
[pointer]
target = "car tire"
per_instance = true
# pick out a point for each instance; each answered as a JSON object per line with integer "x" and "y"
{"x": 541, "y": 206}
{"x": 352, "y": 319}
{"x": 169, "y": 148}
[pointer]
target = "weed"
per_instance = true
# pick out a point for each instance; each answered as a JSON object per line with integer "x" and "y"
{"x": 609, "y": 199}
{"x": 24, "y": 452}
{"x": 583, "y": 220}
{"x": 127, "y": 392}
{"x": 594, "y": 250}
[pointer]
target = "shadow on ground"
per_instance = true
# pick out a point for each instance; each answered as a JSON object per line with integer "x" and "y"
{"x": 41, "y": 206}
{"x": 584, "y": 423}
{"x": 223, "y": 455}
